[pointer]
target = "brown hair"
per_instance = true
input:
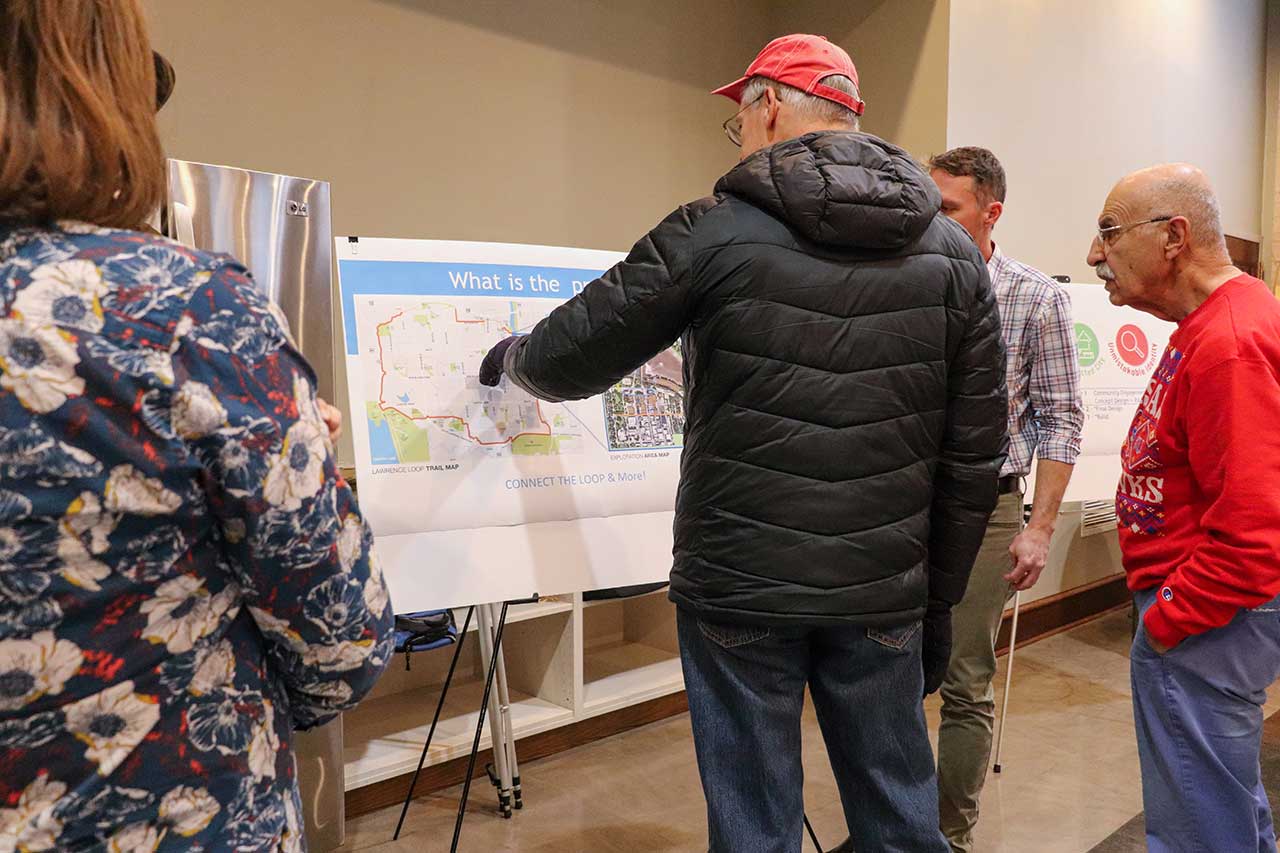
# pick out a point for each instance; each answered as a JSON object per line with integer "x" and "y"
{"x": 78, "y": 135}
{"x": 977, "y": 163}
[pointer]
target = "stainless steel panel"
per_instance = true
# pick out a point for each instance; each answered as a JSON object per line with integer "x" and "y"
{"x": 277, "y": 226}
{"x": 320, "y": 783}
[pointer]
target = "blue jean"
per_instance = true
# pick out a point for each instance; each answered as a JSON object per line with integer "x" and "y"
{"x": 1198, "y": 713}
{"x": 746, "y": 691}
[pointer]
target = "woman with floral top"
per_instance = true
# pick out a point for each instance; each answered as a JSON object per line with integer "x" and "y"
{"x": 184, "y": 577}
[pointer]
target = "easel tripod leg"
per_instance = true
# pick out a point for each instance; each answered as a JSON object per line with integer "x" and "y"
{"x": 444, "y": 691}
{"x": 813, "y": 836}
{"x": 498, "y": 770}
{"x": 475, "y": 744}
{"x": 509, "y": 793}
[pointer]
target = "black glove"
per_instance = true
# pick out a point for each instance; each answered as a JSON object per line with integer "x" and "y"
{"x": 935, "y": 647}
{"x": 491, "y": 367}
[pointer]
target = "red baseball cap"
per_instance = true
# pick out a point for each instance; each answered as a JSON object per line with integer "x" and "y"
{"x": 801, "y": 61}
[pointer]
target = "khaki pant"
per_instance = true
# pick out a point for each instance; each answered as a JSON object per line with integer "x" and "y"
{"x": 968, "y": 699}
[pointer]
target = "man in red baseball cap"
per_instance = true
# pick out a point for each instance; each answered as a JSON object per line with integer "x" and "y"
{"x": 844, "y": 431}
{"x": 803, "y": 62}
{"x": 814, "y": 78}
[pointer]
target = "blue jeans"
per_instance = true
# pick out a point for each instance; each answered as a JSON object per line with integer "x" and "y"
{"x": 746, "y": 691}
{"x": 1198, "y": 712}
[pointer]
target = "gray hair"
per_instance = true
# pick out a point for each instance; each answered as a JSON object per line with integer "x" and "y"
{"x": 1180, "y": 189}
{"x": 810, "y": 106}
{"x": 1194, "y": 199}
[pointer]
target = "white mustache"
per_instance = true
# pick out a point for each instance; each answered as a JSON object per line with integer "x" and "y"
{"x": 1104, "y": 271}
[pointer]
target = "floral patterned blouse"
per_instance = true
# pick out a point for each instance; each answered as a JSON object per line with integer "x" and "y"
{"x": 184, "y": 577}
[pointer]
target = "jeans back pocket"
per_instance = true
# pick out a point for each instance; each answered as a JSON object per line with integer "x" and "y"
{"x": 731, "y": 636}
{"x": 894, "y": 638}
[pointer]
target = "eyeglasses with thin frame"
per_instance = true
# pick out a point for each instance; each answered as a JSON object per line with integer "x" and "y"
{"x": 733, "y": 124}
{"x": 1109, "y": 235}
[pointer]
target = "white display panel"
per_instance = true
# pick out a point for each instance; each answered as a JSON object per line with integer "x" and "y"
{"x": 1117, "y": 348}
{"x": 482, "y": 494}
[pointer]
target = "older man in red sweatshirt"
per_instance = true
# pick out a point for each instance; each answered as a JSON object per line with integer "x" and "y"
{"x": 1199, "y": 509}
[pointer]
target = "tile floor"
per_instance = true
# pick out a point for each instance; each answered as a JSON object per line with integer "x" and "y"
{"x": 1069, "y": 780}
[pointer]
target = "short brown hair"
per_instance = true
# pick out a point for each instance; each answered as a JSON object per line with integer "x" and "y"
{"x": 78, "y": 136}
{"x": 977, "y": 163}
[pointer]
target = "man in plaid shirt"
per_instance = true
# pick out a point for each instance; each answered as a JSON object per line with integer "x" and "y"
{"x": 1045, "y": 419}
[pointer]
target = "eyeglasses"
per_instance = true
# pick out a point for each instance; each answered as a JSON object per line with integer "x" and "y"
{"x": 733, "y": 124}
{"x": 1109, "y": 235}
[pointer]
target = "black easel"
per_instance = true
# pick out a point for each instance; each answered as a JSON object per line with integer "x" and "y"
{"x": 484, "y": 707}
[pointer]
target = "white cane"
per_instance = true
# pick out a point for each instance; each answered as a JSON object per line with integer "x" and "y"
{"x": 1008, "y": 679}
{"x": 1013, "y": 642}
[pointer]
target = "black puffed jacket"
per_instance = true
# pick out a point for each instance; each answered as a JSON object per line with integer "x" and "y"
{"x": 844, "y": 384}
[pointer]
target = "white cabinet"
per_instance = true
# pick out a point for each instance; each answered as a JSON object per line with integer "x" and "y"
{"x": 566, "y": 661}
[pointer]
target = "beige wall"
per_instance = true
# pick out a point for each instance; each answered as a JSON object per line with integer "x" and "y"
{"x": 900, "y": 49}
{"x": 561, "y": 122}
{"x": 1270, "y": 190}
{"x": 1072, "y": 94}
{"x": 569, "y": 122}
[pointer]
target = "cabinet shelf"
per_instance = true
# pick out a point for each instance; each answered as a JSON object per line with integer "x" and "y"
{"x": 624, "y": 674}
{"x": 566, "y": 661}
{"x": 519, "y": 612}
{"x": 660, "y": 593}
{"x": 384, "y": 737}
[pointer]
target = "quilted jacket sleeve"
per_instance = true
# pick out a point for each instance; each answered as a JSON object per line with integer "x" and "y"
{"x": 619, "y": 321}
{"x": 974, "y": 446}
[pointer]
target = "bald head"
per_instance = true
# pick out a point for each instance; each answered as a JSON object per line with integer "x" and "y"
{"x": 1159, "y": 246}
{"x": 1174, "y": 189}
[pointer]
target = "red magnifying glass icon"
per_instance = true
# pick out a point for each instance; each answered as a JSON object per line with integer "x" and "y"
{"x": 1131, "y": 343}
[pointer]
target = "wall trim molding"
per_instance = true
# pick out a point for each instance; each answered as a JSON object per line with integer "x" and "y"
{"x": 1065, "y": 610}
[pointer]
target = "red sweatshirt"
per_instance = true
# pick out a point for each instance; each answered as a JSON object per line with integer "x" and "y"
{"x": 1199, "y": 496}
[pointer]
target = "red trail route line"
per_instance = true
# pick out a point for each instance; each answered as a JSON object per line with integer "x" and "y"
{"x": 383, "y": 406}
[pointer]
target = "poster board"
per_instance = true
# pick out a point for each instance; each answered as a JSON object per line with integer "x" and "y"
{"x": 482, "y": 494}
{"x": 1117, "y": 350}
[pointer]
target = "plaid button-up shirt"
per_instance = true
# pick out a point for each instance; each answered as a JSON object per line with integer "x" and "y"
{"x": 1045, "y": 411}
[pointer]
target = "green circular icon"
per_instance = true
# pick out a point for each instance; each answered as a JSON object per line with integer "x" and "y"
{"x": 1087, "y": 348}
